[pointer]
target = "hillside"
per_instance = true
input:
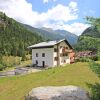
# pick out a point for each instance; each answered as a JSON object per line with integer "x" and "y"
{"x": 47, "y": 35}
{"x": 72, "y": 38}
{"x": 50, "y": 34}
{"x": 88, "y": 43}
{"x": 92, "y": 32}
{"x": 79, "y": 74}
{"x": 89, "y": 40}
{"x": 14, "y": 38}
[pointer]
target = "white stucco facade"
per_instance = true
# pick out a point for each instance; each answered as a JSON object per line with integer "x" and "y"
{"x": 48, "y": 59}
{"x": 50, "y": 55}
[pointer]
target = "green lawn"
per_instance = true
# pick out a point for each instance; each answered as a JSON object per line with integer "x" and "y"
{"x": 79, "y": 74}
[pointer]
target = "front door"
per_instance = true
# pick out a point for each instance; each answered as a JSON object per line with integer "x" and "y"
{"x": 43, "y": 63}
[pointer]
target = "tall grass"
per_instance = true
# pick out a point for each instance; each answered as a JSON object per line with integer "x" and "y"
{"x": 10, "y": 61}
{"x": 95, "y": 67}
{"x": 95, "y": 88}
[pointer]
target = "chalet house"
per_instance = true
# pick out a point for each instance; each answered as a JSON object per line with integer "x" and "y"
{"x": 52, "y": 53}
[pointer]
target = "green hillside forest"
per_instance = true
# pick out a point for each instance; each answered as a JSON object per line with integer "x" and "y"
{"x": 90, "y": 38}
{"x": 88, "y": 43}
{"x": 14, "y": 38}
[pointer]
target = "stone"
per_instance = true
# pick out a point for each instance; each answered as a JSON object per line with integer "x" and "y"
{"x": 58, "y": 93}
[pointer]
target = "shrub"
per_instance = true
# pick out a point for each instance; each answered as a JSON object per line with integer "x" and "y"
{"x": 10, "y": 61}
{"x": 94, "y": 58}
{"x": 95, "y": 67}
{"x": 28, "y": 57}
{"x": 96, "y": 87}
{"x": 95, "y": 91}
{"x": 98, "y": 55}
{"x": 2, "y": 67}
{"x": 87, "y": 59}
{"x": 84, "y": 59}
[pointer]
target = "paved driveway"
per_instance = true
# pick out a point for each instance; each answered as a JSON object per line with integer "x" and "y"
{"x": 20, "y": 71}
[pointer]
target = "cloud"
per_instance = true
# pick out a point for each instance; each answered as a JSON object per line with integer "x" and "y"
{"x": 20, "y": 10}
{"x": 56, "y": 17}
{"x": 76, "y": 28}
{"x": 73, "y": 5}
{"x": 46, "y": 1}
{"x": 61, "y": 13}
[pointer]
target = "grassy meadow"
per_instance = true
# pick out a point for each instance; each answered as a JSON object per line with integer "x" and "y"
{"x": 16, "y": 87}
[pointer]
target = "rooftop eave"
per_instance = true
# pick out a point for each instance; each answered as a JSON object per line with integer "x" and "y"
{"x": 41, "y": 47}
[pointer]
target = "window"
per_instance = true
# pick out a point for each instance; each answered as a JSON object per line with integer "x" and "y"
{"x": 43, "y": 54}
{"x": 66, "y": 47}
{"x": 56, "y": 58}
{"x": 55, "y": 49}
{"x": 64, "y": 61}
{"x": 63, "y": 54}
{"x": 60, "y": 46}
{"x": 36, "y": 54}
{"x": 36, "y": 62}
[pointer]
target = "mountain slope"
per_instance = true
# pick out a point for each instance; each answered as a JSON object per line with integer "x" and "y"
{"x": 72, "y": 38}
{"x": 50, "y": 34}
{"x": 44, "y": 33}
{"x": 92, "y": 32}
{"x": 88, "y": 43}
{"x": 14, "y": 38}
{"x": 89, "y": 40}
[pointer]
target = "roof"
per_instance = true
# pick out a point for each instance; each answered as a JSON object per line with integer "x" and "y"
{"x": 48, "y": 44}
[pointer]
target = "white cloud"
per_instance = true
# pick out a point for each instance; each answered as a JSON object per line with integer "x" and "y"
{"x": 61, "y": 13}
{"x": 18, "y": 9}
{"x": 56, "y": 17}
{"x": 76, "y": 28}
{"x": 73, "y": 4}
{"x": 46, "y": 1}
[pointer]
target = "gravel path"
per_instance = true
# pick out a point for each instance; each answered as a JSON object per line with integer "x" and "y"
{"x": 20, "y": 71}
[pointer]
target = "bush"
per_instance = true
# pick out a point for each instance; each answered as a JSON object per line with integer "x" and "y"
{"x": 94, "y": 58}
{"x": 87, "y": 59}
{"x": 95, "y": 91}
{"x": 10, "y": 61}
{"x": 98, "y": 55}
{"x": 84, "y": 59}
{"x": 28, "y": 57}
{"x": 2, "y": 67}
{"x": 95, "y": 67}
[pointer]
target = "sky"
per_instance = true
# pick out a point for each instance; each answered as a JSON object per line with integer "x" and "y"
{"x": 56, "y": 14}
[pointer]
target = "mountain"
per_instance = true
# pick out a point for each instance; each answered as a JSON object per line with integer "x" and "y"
{"x": 88, "y": 43}
{"x": 72, "y": 38}
{"x": 45, "y": 34}
{"x": 14, "y": 38}
{"x": 89, "y": 40}
{"x": 92, "y": 32}
{"x": 51, "y": 34}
